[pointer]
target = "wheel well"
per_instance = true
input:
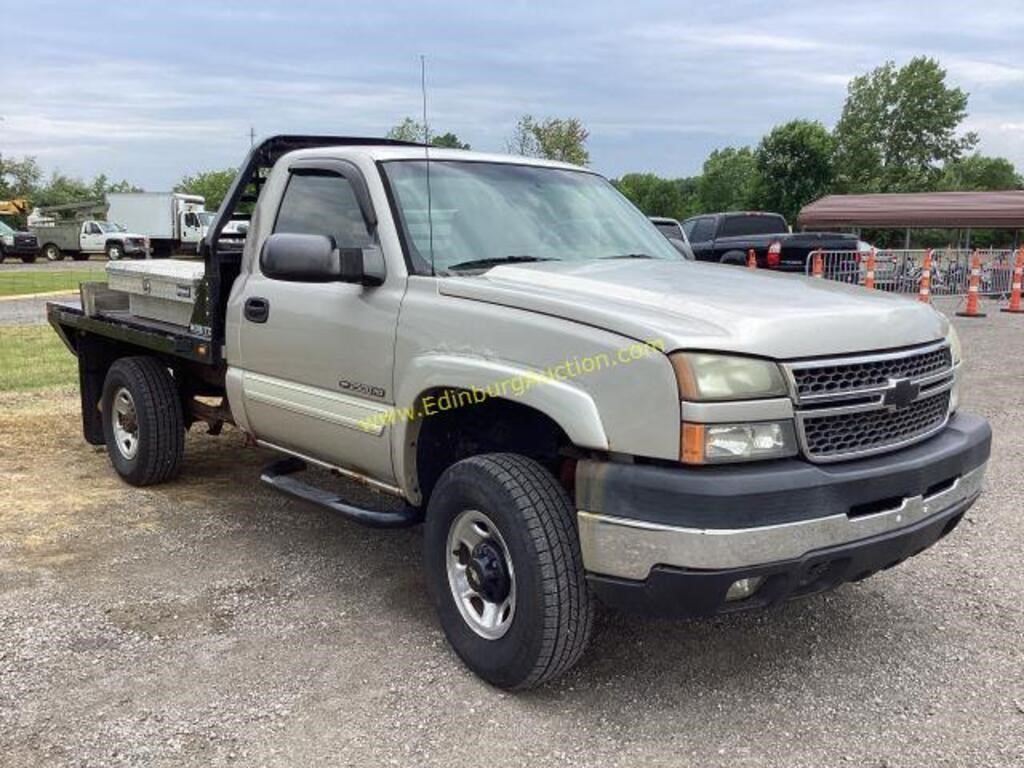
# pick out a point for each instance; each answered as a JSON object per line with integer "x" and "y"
{"x": 95, "y": 356}
{"x": 494, "y": 425}
{"x": 734, "y": 257}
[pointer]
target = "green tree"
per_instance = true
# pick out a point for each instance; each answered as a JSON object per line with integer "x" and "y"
{"x": 212, "y": 185}
{"x": 898, "y": 127}
{"x": 523, "y": 140}
{"x": 730, "y": 181}
{"x": 554, "y": 138}
{"x": 657, "y": 196}
{"x": 978, "y": 172}
{"x": 411, "y": 130}
{"x": 449, "y": 141}
{"x": 19, "y": 178}
{"x": 407, "y": 130}
{"x": 794, "y": 166}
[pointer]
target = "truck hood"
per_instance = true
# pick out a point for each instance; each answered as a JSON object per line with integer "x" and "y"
{"x": 692, "y": 305}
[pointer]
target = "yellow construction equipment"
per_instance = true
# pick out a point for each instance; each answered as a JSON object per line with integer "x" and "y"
{"x": 17, "y": 207}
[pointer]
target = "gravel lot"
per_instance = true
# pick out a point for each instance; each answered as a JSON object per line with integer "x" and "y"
{"x": 212, "y": 622}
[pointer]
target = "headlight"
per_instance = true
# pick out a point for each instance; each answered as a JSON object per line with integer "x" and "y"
{"x": 704, "y": 376}
{"x": 954, "y": 345}
{"x": 721, "y": 443}
{"x": 7, "y": 239}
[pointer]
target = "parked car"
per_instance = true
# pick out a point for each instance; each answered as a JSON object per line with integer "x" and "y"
{"x": 673, "y": 230}
{"x": 572, "y": 412}
{"x": 729, "y": 237}
{"x": 17, "y": 245}
{"x": 82, "y": 239}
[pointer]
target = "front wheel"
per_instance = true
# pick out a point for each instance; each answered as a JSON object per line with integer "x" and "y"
{"x": 504, "y": 570}
{"x": 143, "y": 425}
{"x": 52, "y": 252}
{"x": 114, "y": 251}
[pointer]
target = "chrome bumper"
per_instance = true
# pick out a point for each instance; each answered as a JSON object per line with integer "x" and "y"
{"x": 628, "y": 549}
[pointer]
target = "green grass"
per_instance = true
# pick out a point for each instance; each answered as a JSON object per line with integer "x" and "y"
{"x": 33, "y": 356}
{"x": 28, "y": 281}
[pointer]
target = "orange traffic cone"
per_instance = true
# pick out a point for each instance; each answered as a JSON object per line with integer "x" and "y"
{"x": 1018, "y": 278}
{"x": 924, "y": 292}
{"x": 751, "y": 259}
{"x": 869, "y": 273}
{"x": 972, "y": 289}
{"x": 817, "y": 265}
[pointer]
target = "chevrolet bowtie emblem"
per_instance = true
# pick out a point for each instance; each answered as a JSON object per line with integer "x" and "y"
{"x": 900, "y": 394}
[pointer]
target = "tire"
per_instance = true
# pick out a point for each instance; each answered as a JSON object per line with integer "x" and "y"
{"x": 30, "y": 259}
{"x": 139, "y": 394}
{"x": 734, "y": 258}
{"x": 52, "y": 252}
{"x": 80, "y": 256}
{"x": 114, "y": 251}
{"x": 531, "y": 521}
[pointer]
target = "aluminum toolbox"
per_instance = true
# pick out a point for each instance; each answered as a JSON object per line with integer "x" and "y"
{"x": 162, "y": 290}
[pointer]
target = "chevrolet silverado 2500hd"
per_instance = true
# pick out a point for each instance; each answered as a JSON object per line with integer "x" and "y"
{"x": 729, "y": 460}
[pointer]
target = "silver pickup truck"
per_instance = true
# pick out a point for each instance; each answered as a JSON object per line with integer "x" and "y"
{"x": 572, "y": 409}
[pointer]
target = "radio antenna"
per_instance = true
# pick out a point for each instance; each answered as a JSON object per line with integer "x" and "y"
{"x": 426, "y": 154}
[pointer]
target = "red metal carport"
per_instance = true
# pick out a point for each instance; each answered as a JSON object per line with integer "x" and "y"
{"x": 908, "y": 211}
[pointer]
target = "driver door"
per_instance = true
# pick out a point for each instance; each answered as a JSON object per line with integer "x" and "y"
{"x": 92, "y": 238}
{"x": 318, "y": 358}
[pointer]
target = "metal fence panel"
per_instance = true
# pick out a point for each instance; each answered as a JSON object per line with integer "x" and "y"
{"x": 899, "y": 270}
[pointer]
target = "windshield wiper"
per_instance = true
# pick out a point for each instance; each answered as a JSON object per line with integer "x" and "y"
{"x": 495, "y": 261}
{"x": 629, "y": 256}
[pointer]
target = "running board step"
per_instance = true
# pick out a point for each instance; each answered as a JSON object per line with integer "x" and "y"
{"x": 279, "y": 475}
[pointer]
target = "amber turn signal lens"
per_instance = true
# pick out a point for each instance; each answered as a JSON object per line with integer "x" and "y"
{"x": 691, "y": 443}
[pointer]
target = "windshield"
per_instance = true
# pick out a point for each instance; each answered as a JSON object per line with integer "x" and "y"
{"x": 206, "y": 218}
{"x": 5, "y": 230}
{"x": 110, "y": 226}
{"x": 499, "y": 211}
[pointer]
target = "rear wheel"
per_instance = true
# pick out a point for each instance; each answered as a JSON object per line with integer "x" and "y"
{"x": 143, "y": 424}
{"x": 28, "y": 259}
{"x": 505, "y": 572}
{"x": 52, "y": 252}
{"x": 80, "y": 256}
{"x": 734, "y": 258}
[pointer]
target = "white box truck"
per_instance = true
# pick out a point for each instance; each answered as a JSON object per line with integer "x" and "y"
{"x": 174, "y": 222}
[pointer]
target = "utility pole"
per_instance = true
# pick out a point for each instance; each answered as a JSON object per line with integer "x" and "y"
{"x": 252, "y": 136}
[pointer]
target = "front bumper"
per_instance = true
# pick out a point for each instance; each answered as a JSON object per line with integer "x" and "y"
{"x": 671, "y": 541}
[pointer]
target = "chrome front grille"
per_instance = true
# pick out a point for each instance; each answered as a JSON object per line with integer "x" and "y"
{"x": 829, "y": 378}
{"x": 857, "y": 406}
{"x": 845, "y": 433}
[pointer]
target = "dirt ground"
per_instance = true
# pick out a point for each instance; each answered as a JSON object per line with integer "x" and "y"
{"x": 212, "y": 622}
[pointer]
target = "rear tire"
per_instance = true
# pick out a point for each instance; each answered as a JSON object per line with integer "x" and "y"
{"x": 524, "y": 570}
{"x": 143, "y": 424}
{"x": 80, "y": 256}
{"x": 52, "y": 252}
{"x": 734, "y": 259}
{"x": 31, "y": 259}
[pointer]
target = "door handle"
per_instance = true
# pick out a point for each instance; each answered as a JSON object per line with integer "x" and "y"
{"x": 256, "y": 310}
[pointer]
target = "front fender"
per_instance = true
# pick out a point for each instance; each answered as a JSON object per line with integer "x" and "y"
{"x": 566, "y": 404}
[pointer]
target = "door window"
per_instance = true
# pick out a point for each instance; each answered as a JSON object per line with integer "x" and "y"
{"x": 323, "y": 204}
{"x": 703, "y": 230}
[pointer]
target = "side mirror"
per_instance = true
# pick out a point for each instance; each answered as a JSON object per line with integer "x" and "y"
{"x": 682, "y": 247}
{"x": 316, "y": 259}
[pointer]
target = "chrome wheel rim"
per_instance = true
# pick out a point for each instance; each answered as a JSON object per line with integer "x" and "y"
{"x": 480, "y": 574}
{"x": 126, "y": 423}
{"x": 115, "y": 253}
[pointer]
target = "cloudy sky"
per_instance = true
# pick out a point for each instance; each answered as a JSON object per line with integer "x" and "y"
{"x": 149, "y": 91}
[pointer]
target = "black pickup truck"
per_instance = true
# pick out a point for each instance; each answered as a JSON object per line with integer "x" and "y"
{"x": 729, "y": 237}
